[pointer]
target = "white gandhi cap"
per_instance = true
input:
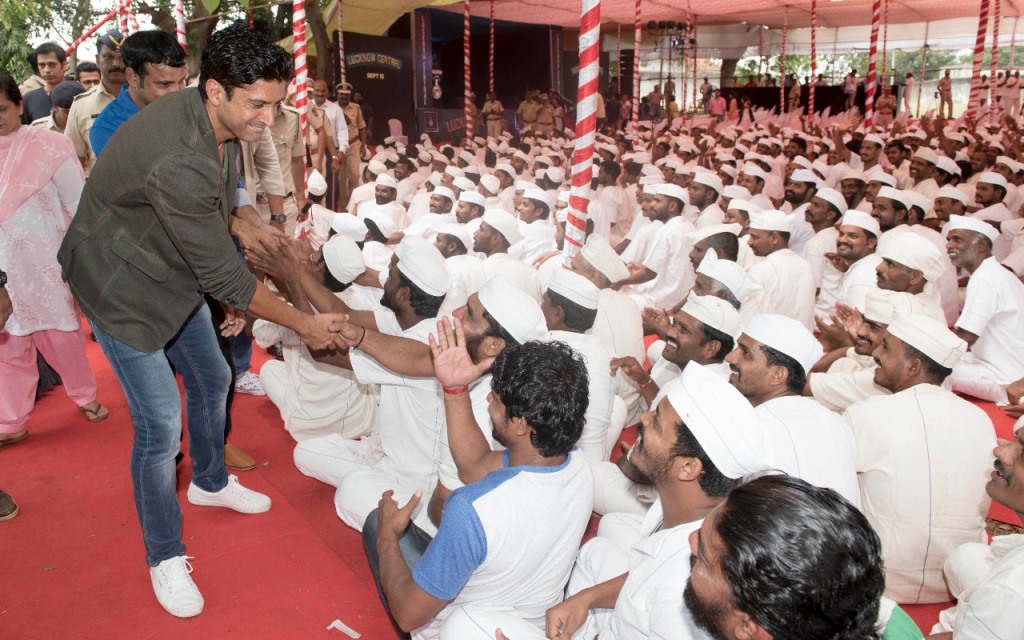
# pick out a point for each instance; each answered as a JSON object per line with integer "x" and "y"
{"x": 514, "y": 309}
{"x": 930, "y": 337}
{"x": 714, "y": 312}
{"x": 722, "y": 420}
{"x": 343, "y": 258}
{"x": 575, "y": 288}
{"x": 786, "y": 335}
{"x": 423, "y": 265}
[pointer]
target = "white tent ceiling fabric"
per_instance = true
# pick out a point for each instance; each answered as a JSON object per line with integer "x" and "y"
{"x": 724, "y": 32}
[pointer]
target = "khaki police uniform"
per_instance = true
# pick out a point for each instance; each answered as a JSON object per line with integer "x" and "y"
{"x": 316, "y": 118}
{"x": 47, "y": 122}
{"x": 528, "y": 114}
{"x": 287, "y": 135}
{"x": 353, "y": 155}
{"x": 545, "y": 119}
{"x": 34, "y": 82}
{"x": 492, "y": 113}
{"x": 81, "y": 117}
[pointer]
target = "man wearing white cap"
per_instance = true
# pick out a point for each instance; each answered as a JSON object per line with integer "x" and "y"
{"x": 754, "y": 178}
{"x": 992, "y": 319}
{"x": 498, "y": 231}
{"x": 663, "y": 276}
{"x": 990, "y": 192}
{"x": 785, "y": 277}
{"x": 408, "y": 180}
{"x": 823, "y": 211}
{"x": 987, "y": 580}
{"x": 316, "y": 399}
{"x": 949, "y": 200}
{"x": 536, "y": 227}
{"x": 698, "y": 443}
{"x": 922, "y": 171}
{"x": 769, "y": 367}
{"x": 847, "y": 375}
{"x": 800, "y": 188}
{"x": 729, "y": 281}
{"x": 410, "y": 419}
{"x": 856, "y": 257}
{"x": 454, "y": 241}
{"x": 704, "y": 190}
{"x": 385, "y": 194}
{"x": 442, "y": 201}
{"x": 853, "y": 185}
{"x": 891, "y": 207}
{"x": 570, "y": 307}
{"x": 367, "y": 190}
{"x": 908, "y": 266}
{"x": 1008, "y": 168}
{"x": 618, "y": 323}
{"x": 907, "y": 443}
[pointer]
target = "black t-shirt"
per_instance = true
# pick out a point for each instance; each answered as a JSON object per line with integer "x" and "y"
{"x": 37, "y": 105}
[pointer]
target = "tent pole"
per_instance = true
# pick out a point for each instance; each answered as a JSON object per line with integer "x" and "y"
{"x": 996, "y": 7}
{"x": 586, "y": 126}
{"x": 814, "y": 59}
{"x": 490, "y": 55}
{"x": 782, "y": 60}
{"x": 179, "y": 24}
{"x": 924, "y": 62}
{"x": 979, "y": 54}
{"x": 637, "y": 37}
{"x": 342, "y": 71}
{"x": 299, "y": 51}
{"x": 872, "y": 79}
{"x": 467, "y": 90}
{"x": 618, "y": 57}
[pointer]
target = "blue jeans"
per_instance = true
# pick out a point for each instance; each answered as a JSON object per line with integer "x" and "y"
{"x": 413, "y": 543}
{"x": 152, "y": 393}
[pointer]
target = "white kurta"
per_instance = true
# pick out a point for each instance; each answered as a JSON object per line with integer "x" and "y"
{"x": 992, "y": 607}
{"x": 908, "y": 446}
{"x": 518, "y": 273}
{"x": 848, "y": 380}
{"x": 993, "y": 311}
{"x": 860, "y": 280}
{"x": 594, "y": 442}
{"x": 827, "y": 278}
{"x": 811, "y": 443}
{"x": 668, "y": 258}
{"x": 788, "y": 286}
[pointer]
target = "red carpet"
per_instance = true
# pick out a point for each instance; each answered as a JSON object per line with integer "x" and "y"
{"x": 73, "y": 559}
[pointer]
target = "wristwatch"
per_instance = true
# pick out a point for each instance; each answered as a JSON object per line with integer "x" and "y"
{"x": 3, "y": 279}
{"x": 279, "y": 218}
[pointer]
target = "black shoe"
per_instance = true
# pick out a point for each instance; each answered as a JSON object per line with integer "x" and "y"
{"x": 8, "y": 509}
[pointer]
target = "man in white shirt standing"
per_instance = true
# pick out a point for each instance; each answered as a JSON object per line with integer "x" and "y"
{"x": 907, "y": 443}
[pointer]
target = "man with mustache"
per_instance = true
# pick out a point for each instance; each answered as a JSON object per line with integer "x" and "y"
{"x": 986, "y": 579}
{"x": 907, "y": 443}
{"x": 88, "y": 105}
{"x": 769, "y": 368}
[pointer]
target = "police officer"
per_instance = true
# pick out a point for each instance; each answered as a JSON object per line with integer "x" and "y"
{"x": 88, "y": 105}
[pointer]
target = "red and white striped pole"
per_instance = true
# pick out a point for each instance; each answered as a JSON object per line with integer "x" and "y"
{"x": 133, "y": 24}
{"x": 997, "y": 5}
{"x": 684, "y": 60}
{"x": 979, "y": 55}
{"x": 467, "y": 90}
{"x": 869, "y": 90}
{"x": 179, "y": 23}
{"x": 586, "y": 127}
{"x": 637, "y": 37}
{"x": 299, "y": 51}
{"x": 885, "y": 40}
{"x": 91, "y": 30}
{"x": 342, "y": 63}
{"x": 122, "y": 15}
{"x": 490, "y": 54}
{"x": 813, "y": 80}
{"x": 782, "y": 60}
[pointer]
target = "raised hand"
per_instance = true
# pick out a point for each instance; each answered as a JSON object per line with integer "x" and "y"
{"x": 453, "y": 366}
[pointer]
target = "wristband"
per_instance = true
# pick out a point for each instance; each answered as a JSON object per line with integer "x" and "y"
{"x": 455, "y": 391}
{"x": 356, "y": 345}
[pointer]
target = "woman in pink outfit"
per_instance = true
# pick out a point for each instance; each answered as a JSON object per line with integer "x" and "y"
{"x": 40, "y": 184}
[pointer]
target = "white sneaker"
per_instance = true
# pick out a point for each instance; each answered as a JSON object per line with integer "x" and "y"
{"x": 174, "y": 588}
{"x": 249, "y": 383}
{"x": 233, "y": 496}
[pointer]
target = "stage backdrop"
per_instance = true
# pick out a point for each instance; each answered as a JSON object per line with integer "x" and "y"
{"x": 382, "y": 69}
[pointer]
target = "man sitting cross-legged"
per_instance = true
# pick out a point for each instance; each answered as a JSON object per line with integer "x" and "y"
{"x": 507, "y": 540}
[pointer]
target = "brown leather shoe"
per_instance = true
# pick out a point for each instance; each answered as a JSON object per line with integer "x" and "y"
{"x": 8, "y": 509}
{"x": 13, "y": 438}
{"x": 235, "y": 458}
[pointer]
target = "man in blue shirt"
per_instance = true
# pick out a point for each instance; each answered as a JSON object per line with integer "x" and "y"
{"x": 154, "y": 65}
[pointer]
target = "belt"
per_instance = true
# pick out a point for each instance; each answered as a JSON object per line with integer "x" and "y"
{"x": 353, "y": 140}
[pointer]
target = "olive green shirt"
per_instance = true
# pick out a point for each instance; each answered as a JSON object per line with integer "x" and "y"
{"x": 151, "y": 233}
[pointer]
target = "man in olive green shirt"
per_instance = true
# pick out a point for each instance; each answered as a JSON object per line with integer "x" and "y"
{"x": 150, "y": 237}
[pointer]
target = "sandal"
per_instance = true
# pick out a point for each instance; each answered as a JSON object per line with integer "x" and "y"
{"x": 97, "y": 414}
